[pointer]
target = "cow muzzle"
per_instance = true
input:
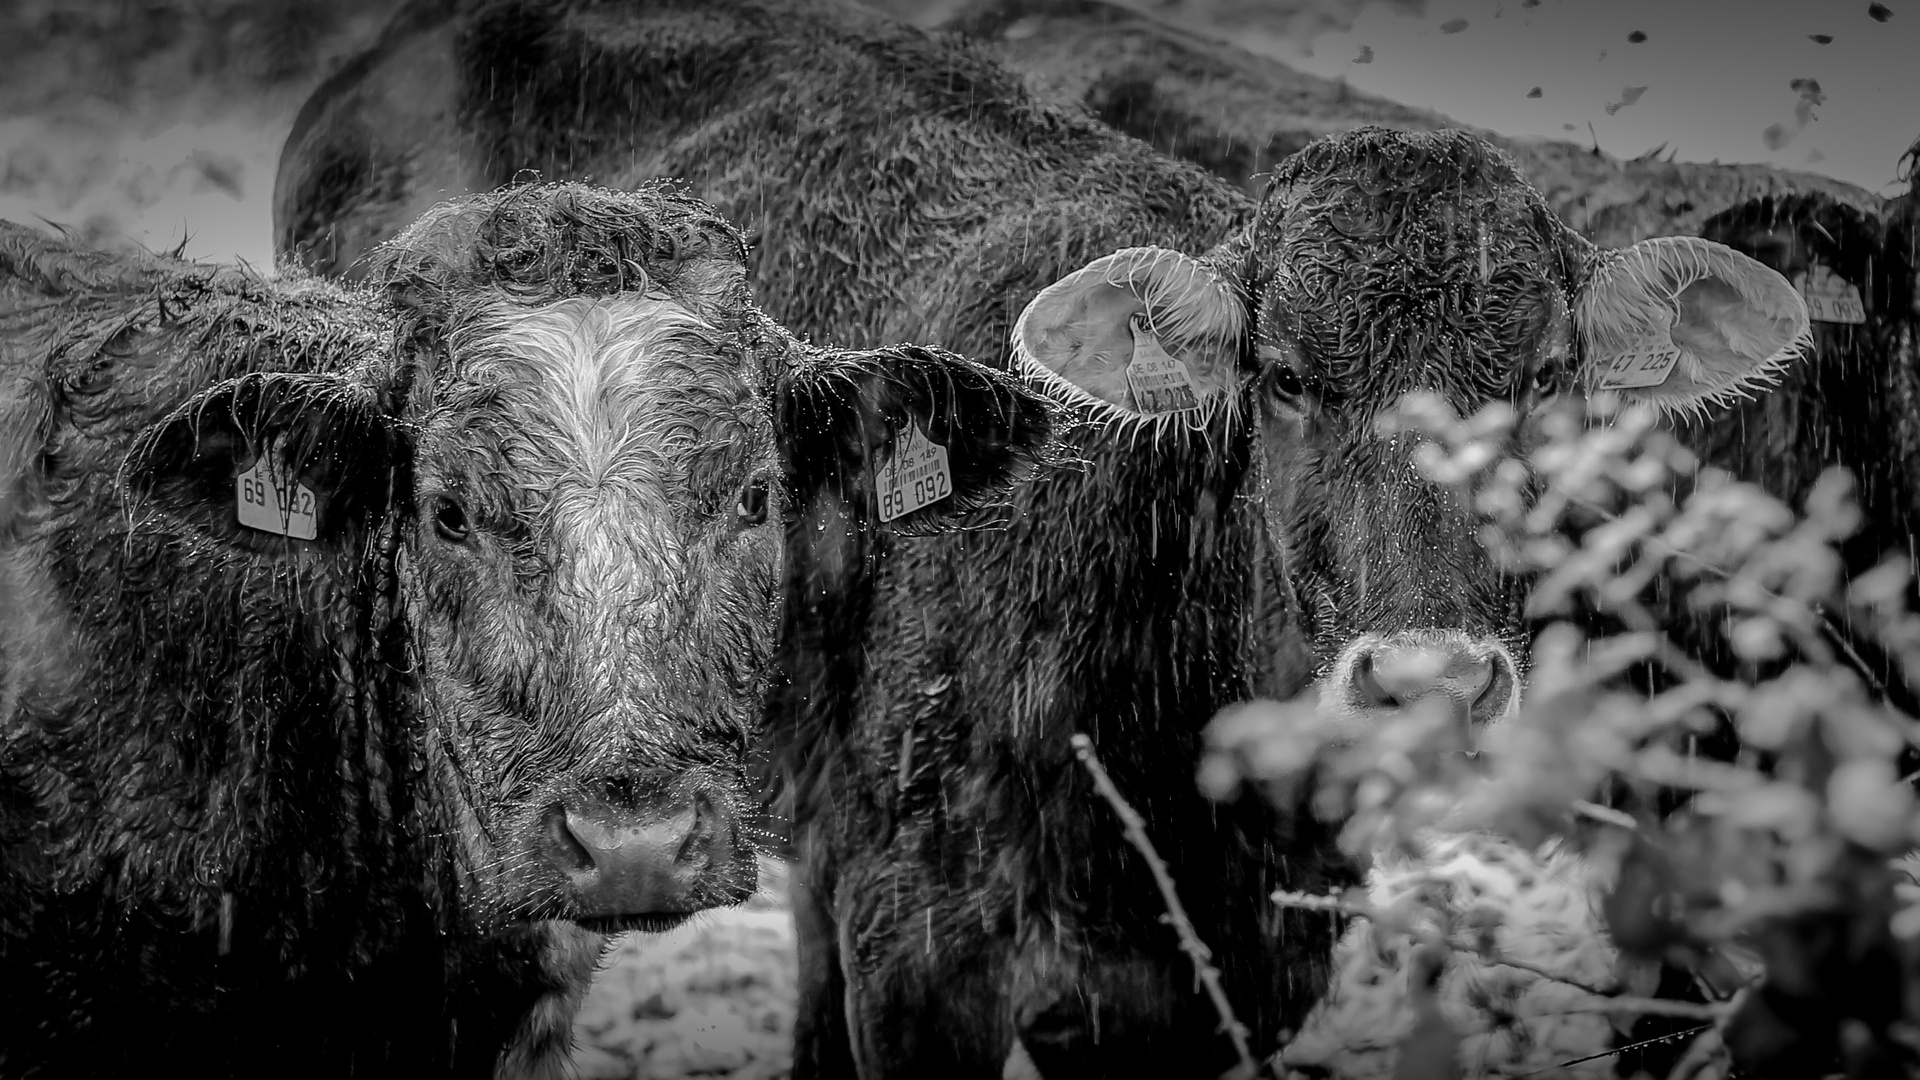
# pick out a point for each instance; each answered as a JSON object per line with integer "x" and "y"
{"x": 1378, "y": 675}
{"x": 646, "y": 863}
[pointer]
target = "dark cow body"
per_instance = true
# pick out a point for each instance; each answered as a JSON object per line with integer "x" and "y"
{"x": 1855, "y": 403}
{"x": 961, "y": 886}
{"x": 364, "y": 802}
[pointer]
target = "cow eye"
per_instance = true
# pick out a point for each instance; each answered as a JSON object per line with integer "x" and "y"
{"x": 450, "y": 521}
{"x": 1283, "y": 379}
{"x": 751, "y": 510}
{"x": 1287, "y": 383}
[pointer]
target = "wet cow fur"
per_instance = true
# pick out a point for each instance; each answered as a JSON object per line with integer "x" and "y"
{"x": 1855, "y": 402}
{"x": 1851, "y": 403}
{"x": 323, "y": 808}
{"x": 960, "y": 885}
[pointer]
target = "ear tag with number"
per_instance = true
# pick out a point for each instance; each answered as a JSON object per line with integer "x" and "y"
{"x": 1645, "y": 364}
{"x": 1160, "y": 382}
{"x": 268, "y": 498}
{"x": 914, "y": 476}
{"x": 1829, "y": 296}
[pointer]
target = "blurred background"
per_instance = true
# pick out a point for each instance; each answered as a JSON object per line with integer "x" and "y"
{"x": 159, "y": 122}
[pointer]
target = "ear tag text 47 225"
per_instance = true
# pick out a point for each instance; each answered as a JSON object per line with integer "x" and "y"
{"x": 1647, "y": 363}
{"x": 1159, "y": 381}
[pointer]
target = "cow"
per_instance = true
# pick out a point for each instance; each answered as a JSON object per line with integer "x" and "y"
{"x": 1850, "y": 403}
{"x": 1236, "y": 530}
{"x": 371, "y": 654}
{"x": 1854, "y": 403}
{"x": 1238, "y": 112}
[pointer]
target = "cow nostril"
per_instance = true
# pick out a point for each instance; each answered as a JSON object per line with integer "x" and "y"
{"x": 1477, "y": 679}
{"x": 563, "y": 847}
{"x": 697, "y": 848}
{"x": 1366, "y": 685}
{"x": 1496, "y": 693}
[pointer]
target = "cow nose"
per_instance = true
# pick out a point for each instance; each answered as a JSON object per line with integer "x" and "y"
{"x": 630, "y": 862}
{"x": 1475, "y": 680}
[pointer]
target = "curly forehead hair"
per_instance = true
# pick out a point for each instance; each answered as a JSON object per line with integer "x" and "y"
{"x": 536, "y": 243}
{"x": 1411, "y": 163}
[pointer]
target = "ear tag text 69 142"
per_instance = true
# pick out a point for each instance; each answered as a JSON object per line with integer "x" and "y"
{"x": 1830, "y": 298}
{"x": 268, "y": 498}
{"x": 914, "y": 476}
{"x": 1159, "y": 381}
{"x": 1647, "y": 363}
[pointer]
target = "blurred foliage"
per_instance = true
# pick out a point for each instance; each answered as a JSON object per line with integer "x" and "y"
{"x": 1776, "y": 881}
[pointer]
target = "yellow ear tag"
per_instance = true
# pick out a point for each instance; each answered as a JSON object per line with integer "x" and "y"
{"x": 1159, "y": 381}
{"x": 1829, "y": 297}
{"x": 914, "y": 476}
{"x": 1646, "y": 364}
{"x": 268, "y": 498}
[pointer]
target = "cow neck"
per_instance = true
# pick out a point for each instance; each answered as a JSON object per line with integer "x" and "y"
{"x": 1148, "y": 548}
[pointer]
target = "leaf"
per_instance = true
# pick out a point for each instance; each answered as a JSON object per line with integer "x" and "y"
{"x": 1782, "y": 807}
{"x": 1884, "y": 584}
{"x": 1869, "y": 805}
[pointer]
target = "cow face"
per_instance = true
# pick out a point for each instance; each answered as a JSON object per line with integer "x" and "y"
{"x": 1380, "y": 263}
{"x": 583, "y": 464}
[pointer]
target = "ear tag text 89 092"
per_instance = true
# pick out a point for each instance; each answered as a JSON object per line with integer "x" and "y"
{"x": 1830, "y": 298}
{"x": 914, "y": 476}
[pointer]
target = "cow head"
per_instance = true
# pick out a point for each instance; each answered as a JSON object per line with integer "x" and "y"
{"x": 581, "y": 462}
{"x": 1383, "y": 262}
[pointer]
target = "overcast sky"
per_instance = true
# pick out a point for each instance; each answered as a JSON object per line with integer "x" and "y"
{"x": 1733, "y": 80}
{"x": 1717, "y": 75}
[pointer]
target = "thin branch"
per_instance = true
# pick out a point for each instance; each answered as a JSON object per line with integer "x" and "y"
{"x": 1640, "y": 1006}
{"x": 1308, "y": 902}
{"x": 1190, "y": 943}
{"x": 1699, "y": 1056}
{"x": 1655, "y": 1041}
{"x": 1606, "y": 814}
{"x": 1610, "y": 1001}
{"x": 1503, "y": 960}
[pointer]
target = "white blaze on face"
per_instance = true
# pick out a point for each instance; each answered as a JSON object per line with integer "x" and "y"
{"x": 622, "y": 412}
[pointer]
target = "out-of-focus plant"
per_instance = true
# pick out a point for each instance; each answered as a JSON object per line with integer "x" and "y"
{"x": 1774, "y": 882}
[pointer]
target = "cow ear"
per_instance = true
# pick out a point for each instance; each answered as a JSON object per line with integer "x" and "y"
{"x": 267, "y": 460}
{"x": 1678, "y": 321}
{"x": 909, "y": 433}
{"x": 1145, "y": 330}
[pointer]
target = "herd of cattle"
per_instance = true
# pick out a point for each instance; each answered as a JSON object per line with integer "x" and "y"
{"x": 379, "y": 639}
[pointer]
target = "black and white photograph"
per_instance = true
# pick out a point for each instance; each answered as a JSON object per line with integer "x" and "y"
{"x": 960, "y": 539}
